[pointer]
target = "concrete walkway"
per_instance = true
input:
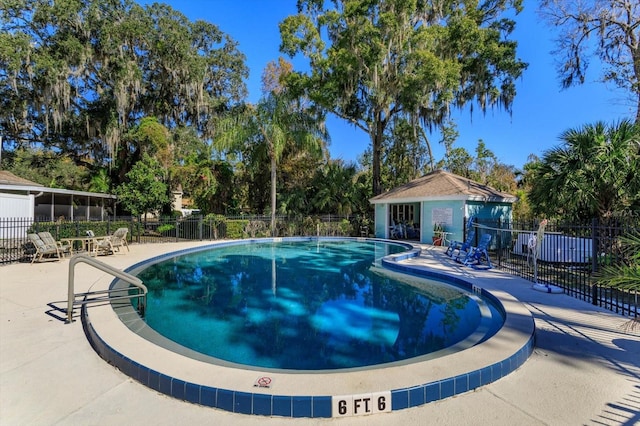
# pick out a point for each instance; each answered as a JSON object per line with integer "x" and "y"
{"x": 585, "y": 369}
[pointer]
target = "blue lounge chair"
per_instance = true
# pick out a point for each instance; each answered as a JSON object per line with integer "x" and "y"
{"x": 466, "y": 244}
{"x": 462, "y": 245}
{"x": 474, "y": 257}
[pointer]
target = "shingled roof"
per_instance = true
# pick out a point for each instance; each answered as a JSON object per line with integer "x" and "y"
{"x": 442, "y": 185}
{"x": 8, "y": 178}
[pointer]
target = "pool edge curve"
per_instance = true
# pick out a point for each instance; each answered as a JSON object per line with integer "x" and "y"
{"x": 518, "y": 330}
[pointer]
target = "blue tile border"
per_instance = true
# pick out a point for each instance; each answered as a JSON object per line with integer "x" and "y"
{"x": 461, "y": 383}
{"x": 208, "y": 395}
{"x": 262, "y": 404}
{"x": 447, "y": 388}
{"x": 281, "y": 406}
{"x": 474, "y": 379}
{"x": 306, "y": 406}
{"x": 243, "y": 402}
{"x": 302, "y": 406}
{"x": 416, "y": 396}
{"x": 321, "y": 406}
{"x": 432, "y": 392}
{"x": 192, "y": 393}
{"x": 399, "y": 399}
{"x": 224, "y": 400}
{"x": 178, "y": 389}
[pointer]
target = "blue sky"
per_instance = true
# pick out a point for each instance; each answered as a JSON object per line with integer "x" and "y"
{"x": 541, "y": 110}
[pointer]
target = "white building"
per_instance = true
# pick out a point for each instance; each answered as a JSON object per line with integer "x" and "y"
{"x": 21, "y": 198}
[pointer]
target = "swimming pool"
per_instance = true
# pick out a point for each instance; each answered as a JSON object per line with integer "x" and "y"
{"x": 191, "y": 376}
{"x": 309, "y": 305}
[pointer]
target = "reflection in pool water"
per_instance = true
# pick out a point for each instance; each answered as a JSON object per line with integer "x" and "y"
{"x": 304, "y": 305}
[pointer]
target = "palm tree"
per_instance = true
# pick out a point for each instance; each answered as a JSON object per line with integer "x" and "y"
{"x": 335, "y": 189}
{"x": 99, "y": 181}
{"x": 625, "y": 275}
{"x": 593, "y": 174}
{"x": 277, "y": 121}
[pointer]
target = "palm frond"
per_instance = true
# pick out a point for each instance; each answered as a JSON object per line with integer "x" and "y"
{"x": 626, "y": 274}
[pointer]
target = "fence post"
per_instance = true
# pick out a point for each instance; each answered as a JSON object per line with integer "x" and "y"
{"x": 139, "y": 227}
{"x": 594, "y": 258}
{"x": 499, "y": 241}
{"x": 200, "y": 224}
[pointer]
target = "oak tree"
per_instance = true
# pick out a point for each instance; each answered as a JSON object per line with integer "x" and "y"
{"x": 606, "y": 29}
{"x": 371, "y": 61}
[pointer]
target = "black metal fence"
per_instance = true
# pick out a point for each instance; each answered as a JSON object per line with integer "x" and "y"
{"x": 570, "y": 257}
{"x": 13, "y": 232}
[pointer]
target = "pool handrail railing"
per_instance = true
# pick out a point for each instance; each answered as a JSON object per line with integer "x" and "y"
{"x": 124, "y": 276}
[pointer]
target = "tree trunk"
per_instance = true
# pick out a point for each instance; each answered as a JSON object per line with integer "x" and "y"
{"x": 273, "y": 195}
{"x": 376, "y": 147}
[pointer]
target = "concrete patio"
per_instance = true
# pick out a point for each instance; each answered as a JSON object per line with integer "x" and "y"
{"x": 585, "y": 369}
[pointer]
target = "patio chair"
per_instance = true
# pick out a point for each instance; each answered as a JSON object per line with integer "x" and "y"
{"x": 119, "y": 239}
{"x": 474, "y": 257}
{"x": 64, "y": 248}
{"x": 42, "y": 249}
{"x": 102, "y": 246}
{"x": 462, "y": 245}
{"x": 112, "y": 243}
{"x": 466, "y": 244}
{"x": 413, "y": 232}
{"x": 396, "y": 231}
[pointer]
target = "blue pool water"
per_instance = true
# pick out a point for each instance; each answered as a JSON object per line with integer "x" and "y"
{"x": 309, "y": 305}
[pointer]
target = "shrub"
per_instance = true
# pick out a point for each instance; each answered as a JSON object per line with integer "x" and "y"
{"x": 166, "y": 229}
{"x": 78, "y": 229}
{"x": 215, "y": 224}
{"x": 256, "y": 228}
{"x": 235, "y": 228}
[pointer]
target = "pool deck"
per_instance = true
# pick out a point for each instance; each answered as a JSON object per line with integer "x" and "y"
{"x": 585, "y": 368}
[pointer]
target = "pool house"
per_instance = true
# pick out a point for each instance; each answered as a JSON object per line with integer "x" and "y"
{"x": 437, "y": 205}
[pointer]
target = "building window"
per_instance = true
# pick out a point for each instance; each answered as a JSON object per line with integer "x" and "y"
{"x": 402, "y": 213}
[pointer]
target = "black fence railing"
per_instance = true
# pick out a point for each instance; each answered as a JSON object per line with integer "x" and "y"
{"x": 13, "y": 232}
{"x": 570, "y": 257}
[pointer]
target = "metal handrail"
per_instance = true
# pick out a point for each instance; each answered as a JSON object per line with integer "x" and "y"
{"x": 136, "y": 282}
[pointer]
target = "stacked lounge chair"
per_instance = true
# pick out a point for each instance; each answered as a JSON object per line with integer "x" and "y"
{"x": 462, "y": 245}
{"x": 475, "y": 256}
{"x": 467, "y": 243}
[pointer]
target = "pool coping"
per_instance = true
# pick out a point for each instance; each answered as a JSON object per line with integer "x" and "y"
{"x": 317, "y": 395}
